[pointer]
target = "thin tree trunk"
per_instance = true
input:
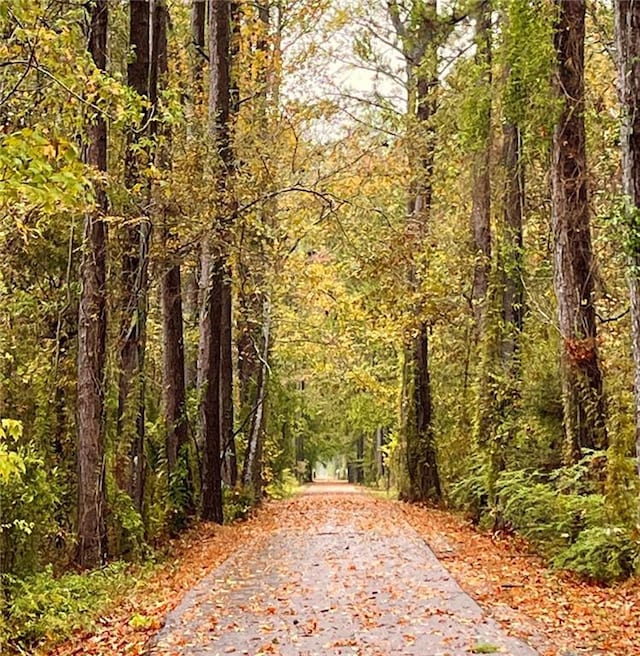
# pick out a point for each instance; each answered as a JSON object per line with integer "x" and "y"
{"x": 191, "y": 290}
{"x": 421, "y": 454}
{"x": 191, "y": 314}
{"x": 173, "y": 358}
{"x": 511, "y": 260}
{"x": 252, "y": 470}
{"x": 92, "y": 332}
{"x": 230, "y": 461}
{"x": 174, "y": 391}
{"x": 485, "y": 319}
{"x": 254, "y": 303}
{"x": 583, "y": 403}
{"x": 627, "y": 26}
{"x": 229, "y": 464}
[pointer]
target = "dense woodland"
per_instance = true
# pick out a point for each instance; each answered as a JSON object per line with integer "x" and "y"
{"x": 241, "y": 241}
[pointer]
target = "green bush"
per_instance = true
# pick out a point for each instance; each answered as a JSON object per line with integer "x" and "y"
{"x": 549, "y": 518}
{"x": 28, "y": 501}
{"x": 237, "y": 504}
{"x": 284, "y": 486}
{"x": 129, "y": 527}
{"x": 603, "y": 553}
{"x": 570, "y": 528}
{"x": 45, "y": 607}
{"x": 471, "y": 494}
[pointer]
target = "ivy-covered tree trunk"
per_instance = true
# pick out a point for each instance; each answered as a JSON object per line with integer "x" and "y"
{"x": 254, "y": 322}
{"x": 209, "y": 387}
{"x": 574, "y": 266}
{"x": 510, "y": 260}
{"x": 174, "y": 395}
{"x": 422, "y": 463}
{"x": 227, "y": 413}
{"x": 92, "y": 331}
{"x": 627, "y": 26}
{"x": 421, "y": 33}
{"x": 229, "y": 462}
{"x": 485, "y": 318}
{"x": 481, "y": 174}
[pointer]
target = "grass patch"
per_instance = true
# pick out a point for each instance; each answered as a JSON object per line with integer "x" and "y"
{"x": 485, "y": 648}
{"x": 391, "y": 493}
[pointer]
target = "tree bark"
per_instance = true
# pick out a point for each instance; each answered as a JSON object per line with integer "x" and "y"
{"x": 254, "y": 303}
{"x": 173, "y": 358}
{"x": 92, "y": 331}
{"x": 209, "y": 387}
{"x": 627, "y": 28}
{"x": 174, "y": 390}
{"x": 227, "y": 414}
{"x": 583, "y": 402}
{"x": 229, "y": 463}
{"x": 511, "y": 264}
{"x": 191, "y": 290}
{"x": 422, "y": 464}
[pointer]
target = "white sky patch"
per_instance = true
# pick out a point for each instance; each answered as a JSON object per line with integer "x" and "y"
{"x": 353, "y": 67}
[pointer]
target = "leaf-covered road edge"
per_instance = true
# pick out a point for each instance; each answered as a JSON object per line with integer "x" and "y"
{"x": 128, "y": 624}
{"x": 557, "y": 613}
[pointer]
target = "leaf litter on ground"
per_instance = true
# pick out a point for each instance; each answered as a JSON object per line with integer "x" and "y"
{"x": 558, "y": 613}
{"x": 555, "y": 612}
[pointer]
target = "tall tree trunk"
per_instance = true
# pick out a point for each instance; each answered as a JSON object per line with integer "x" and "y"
{"x": 422, "y": 464}
{"x": 191, "y": 286}
{"x": 583, "y": 403}
{"x": 230, "y": 460}
{"x": 174, "y": 393}
{"x": 173, "y": 358}
{"x": 485, "y": 424}
{"x": 213, "y": 263}
{"x": 92, "y": 331}
{"x": 254, "y": 302}
{"x": 481, "y": 175}
{"x": 627, "y": 26}
{"x": 421, "y": 39}
{"x": 131, "y": 395}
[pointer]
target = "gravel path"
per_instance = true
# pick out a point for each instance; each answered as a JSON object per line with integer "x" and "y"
{"x": 343, "y": 574}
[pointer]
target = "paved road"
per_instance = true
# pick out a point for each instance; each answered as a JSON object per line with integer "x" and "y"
{"x": 343, "y": 575}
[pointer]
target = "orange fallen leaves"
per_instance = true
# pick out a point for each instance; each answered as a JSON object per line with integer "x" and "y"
{"x": 555, "y": 611}
{"x": 193, "y": 556}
